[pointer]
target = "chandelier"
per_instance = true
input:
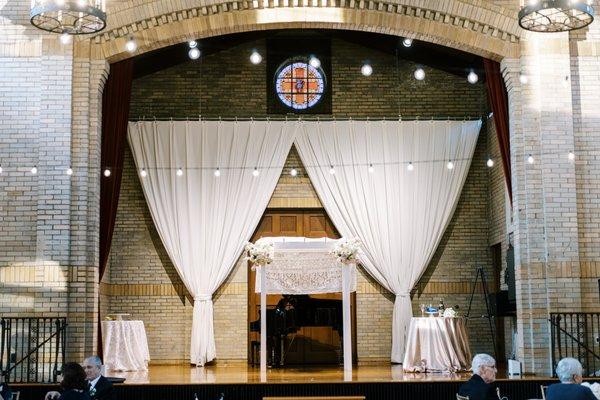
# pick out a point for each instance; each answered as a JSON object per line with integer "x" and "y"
{"x": 556, "y": 15}
{"x": 68, "y": 17}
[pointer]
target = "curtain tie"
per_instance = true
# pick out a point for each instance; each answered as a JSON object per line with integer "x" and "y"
{"x": 403, "y": 294}
{"x": 203, "y": 297}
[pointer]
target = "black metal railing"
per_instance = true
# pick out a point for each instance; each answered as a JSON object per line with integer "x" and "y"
{"x": 32, "y": 350}
{"x": 577, "y": 335}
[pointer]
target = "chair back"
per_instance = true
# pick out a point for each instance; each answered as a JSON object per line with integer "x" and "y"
{"x": 459, "y": 397}
{"x": 543, "y": 389}
{"x": 16, "y": 395}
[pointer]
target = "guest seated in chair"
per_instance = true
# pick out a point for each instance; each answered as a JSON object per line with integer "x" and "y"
{"x": 100, "y": 388}
{"x": 5, "y": 392}
{"x": 569, "y": 371}
{"x": 73, "y": 384}
{"x": 480, "y": 387}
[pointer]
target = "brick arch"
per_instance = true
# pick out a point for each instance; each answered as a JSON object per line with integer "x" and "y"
{"x": 490, "y": 31}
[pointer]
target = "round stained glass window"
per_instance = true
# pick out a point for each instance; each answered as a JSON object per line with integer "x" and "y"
{"x": 299, "y": 85}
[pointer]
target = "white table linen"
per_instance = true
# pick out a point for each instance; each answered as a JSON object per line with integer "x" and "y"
{"x": 125, "y": 346}
{"x": 437, "y": 344}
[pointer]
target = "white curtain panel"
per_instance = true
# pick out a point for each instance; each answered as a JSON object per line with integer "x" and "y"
{"x": 204, "y": 221}
{"x": 399, "y": 215}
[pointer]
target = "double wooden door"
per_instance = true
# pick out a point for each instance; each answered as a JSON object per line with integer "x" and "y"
{"x": 310, "y": 345}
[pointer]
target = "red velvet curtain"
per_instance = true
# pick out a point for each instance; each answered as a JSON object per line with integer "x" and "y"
{"x": 498, "y": 99}
{"x": 115, "y": 115}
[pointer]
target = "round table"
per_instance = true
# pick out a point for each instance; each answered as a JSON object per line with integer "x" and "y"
{"x": 438, "y": 344}
{"x": 125, "y": 346}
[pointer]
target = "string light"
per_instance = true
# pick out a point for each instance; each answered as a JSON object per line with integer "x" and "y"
{"x": 314, "y": 62}
{"x": 217, "y": 172}
{"x": 407, "y": 42}
{"x": 107, "y": 172}
{"x": 490, "y": 163}
{"x": 293, "y": 172}
{"x": 255, "y": 57}
{"x": 420, "y": 74}
{"x": 192, "y": 44}
{"x": 410, "y": 166}
{"x": 65, "y": 38}
{"x": 131, "y": 45}
{"x": 450, "y": 165}
{"x": 1, "y": 169}
{"x": 194, "y": 53}
{"x": 331, "y": 170}
{"x": 571, "y": 156}
{"x": 371, "y": 169}
{"x": 530, "y": 159}
{"x": 524, "y": 79}
{"x": 472, "y": 77}
{"x": 69, "y": 171}
{"x": 34, "y": 170}
{"x": 143, "y": 173}
{"x": 179, "y": 172}
{"x": 256, "y": 172}
{"x": 366, "y": 69}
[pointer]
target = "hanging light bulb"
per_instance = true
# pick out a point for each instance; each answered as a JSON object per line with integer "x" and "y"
{"x": 131, "y": 45}
{"x": 371, "y": 169}
{"x": 410, "y": 166}
{"x": 524, "y": 79}
{"x": 331, "y": 170}
{"x": 107, "y": 172}
{"x": 194, "y": 53}
{"x": 179, "y": 172}
{"x": 65, "y": 38}
{"x": 571, "y": 156}
{"x": 192, "y": 44}
{"x": 255, "y": 57}
{"x": 256, "y": 172}
{"x": 450, "y": 165}
{"x": 143, "y": 173}
{"x": 530, "y": 159}
{"x": 217, "y": 172}
{"x": 490, "y": 163}
{"x": 366, "y": 69}
{"x": 1, "y": 169}
{"x": 565, "y": 82}
{"x": 34, "y": 170}
{"x": 69, "y": 171}
{"x": 315, "y": 62}
{"x": 407, "y": 42}
{"x": 420, "y": 74}
{"x": 293, "y": 172}
{"x": 472, "y": 77}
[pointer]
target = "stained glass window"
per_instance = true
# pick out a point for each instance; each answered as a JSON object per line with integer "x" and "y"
{"x": 299, "y": 85}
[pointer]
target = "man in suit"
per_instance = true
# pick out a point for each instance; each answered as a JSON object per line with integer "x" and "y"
{"x": 100, "y": 388}
{"x": 480, "y": 387}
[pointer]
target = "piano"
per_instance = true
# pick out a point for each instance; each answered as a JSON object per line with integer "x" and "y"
{"x": 290, "y": 314}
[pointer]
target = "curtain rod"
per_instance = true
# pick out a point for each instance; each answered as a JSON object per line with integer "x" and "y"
{"x": 310, "y": 118}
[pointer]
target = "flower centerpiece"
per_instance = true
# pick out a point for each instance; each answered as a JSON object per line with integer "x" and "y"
{"x": 346, "y": 250}
{"x": 260, "y": 253}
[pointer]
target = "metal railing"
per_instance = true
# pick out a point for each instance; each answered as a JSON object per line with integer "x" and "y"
{"x": 32, "y": 350}
{"x": 577, "y": 335}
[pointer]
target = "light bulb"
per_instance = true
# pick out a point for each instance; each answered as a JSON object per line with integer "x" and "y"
{"x": 194, "y": 53}
{"x": 65, "y": 38}
{"x": 293, "y": 172}
{"x": 179, "y": 172}
{"x": 490, "y": 163}
{"x": 420, "y": 74}
{"x": 565, "y": 82}
{"x": 255, "y": 57}
{"x": 1, "y": 169}
{"x": 81, "y": 3}
{"x": 143, "y": 173}
{"x": 332, "y": 170}
{"x": 107, "y": 172}
{"x": 193, "y": 44}
{"x": 571, "y": 156}
{"x": 315, "y": 62}
{"x": 530, "y": 159}
{"x": 450, "y": 165}
{"x": 410, "y": 166}
{"x": 69, "y": 171}
{"x": 366, "y": 69}
{"x": 131, "y": 45}
{"x": 407, "y": 42}
{"x": 256, "y": 172}
{"x": 34, "y": 170}
{"x": 472, "y": 77}
{"x": 533, "y": 2}
{"x": 524, "y": 79}
{"x": 371, "y": 169}
{"x": 217, "y": 172}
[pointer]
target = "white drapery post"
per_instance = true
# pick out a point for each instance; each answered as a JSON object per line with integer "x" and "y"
{"x": 203, "y": 220}
{"x": 263, "y": 318}
{"x": 347, "y": 326}
{"x": 399, "y": 214}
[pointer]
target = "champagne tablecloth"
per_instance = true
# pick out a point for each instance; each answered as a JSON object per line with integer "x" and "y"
{"x": 437, "y": 344}
{"x": 125, "y": 346}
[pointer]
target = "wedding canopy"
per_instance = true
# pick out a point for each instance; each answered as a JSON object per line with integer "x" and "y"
{"x": 399, "y": 214}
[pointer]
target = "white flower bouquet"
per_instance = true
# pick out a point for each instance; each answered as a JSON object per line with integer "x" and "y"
{"x": 594, "y": 387}
{"x": 260, "y": 253}
{"x": 346, "y": 250}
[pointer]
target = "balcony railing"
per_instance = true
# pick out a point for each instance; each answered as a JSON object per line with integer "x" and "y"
{"x": 577, "y": 335}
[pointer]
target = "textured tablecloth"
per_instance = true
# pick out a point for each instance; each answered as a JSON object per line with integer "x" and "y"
{"x": 437, "y": 344}
{"x": 125, "y": 346}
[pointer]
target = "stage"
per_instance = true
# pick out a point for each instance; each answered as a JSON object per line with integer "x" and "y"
{"x": 240, "y": 381}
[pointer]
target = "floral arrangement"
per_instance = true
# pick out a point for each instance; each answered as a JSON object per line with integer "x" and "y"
{"x": 449, "y": 313}
{"x": 594, "y": 387}
{"x": 260, "y": 253}
{"x": 346, "y": 250}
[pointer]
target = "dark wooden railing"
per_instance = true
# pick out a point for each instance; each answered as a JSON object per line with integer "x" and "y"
{"x": 577, "y": 335}
{"x": 32, "y": 350}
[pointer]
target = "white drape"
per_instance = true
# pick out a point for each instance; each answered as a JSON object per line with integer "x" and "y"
{"x": 204, "y": 221}
{"x": 399, "y": 215}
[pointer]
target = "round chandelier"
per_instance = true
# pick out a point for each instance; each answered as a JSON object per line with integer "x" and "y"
{"x": 68, "y": 17}
{"x": 556, "y": 15}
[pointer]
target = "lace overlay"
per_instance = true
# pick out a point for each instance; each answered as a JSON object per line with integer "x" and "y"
{"x": 305, "y": 271}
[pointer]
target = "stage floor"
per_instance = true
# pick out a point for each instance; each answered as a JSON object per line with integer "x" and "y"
{"x": 241, "y": 373}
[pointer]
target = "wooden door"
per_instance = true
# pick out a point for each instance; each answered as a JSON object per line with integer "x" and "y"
{"x": 310, "y": 345}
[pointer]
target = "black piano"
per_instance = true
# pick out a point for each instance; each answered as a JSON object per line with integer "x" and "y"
{"x": 290, "y": 314}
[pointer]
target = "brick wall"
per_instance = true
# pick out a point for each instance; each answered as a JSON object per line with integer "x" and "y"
{"x": 138, "y": 258}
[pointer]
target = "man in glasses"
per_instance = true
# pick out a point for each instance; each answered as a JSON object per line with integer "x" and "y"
{"x": 480, "y": 387}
